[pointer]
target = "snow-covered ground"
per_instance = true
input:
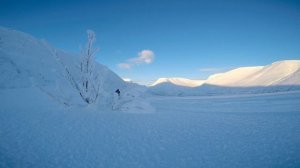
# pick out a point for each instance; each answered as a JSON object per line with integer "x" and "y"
{"x": 45, "y": 123}
{"x": 220, "y": 131}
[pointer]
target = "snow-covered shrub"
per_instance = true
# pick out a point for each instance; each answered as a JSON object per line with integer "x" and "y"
{"x": 90, "y": 84}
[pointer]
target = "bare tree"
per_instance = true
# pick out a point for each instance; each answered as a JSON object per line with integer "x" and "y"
{"x": 90, "y": 83}
{"x": 88, "y": 86}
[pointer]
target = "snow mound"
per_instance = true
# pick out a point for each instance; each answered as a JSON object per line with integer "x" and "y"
{"x": 32, "y": 64}
{"x": 133, "y": 100}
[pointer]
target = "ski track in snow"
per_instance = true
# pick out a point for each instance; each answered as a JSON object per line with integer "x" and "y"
{"x": 247, "y": 131}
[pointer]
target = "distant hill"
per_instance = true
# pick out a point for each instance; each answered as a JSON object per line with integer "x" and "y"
{"x": 279, "y": 76}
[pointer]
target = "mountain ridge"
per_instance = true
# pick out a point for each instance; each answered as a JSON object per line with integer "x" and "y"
{"x": 284, "y": 72}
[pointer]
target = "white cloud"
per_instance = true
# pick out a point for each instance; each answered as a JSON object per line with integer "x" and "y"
{"x": 144, "y": 57}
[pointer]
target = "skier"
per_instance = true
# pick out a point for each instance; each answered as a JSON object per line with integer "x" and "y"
{"x": 115, "y": 104}
{"x": 118, "y": 92}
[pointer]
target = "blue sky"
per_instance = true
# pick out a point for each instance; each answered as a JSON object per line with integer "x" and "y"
{"x": 188, "y": 38}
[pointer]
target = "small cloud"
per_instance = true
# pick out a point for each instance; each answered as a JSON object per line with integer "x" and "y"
{"x": 144, "y": 57}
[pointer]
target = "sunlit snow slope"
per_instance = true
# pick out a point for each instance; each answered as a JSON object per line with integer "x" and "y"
{"x": 179, "y": 82}
{"x": 278, "y": 73}
{"x": 277, "y": 77}
{"x": 26, "y": 62}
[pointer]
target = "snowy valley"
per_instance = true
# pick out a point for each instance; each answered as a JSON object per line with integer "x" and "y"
{"x": 246, "y": 117}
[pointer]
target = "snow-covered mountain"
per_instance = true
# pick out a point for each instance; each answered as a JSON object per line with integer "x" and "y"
{"x": 33, "y": 67}
{"x": 179, "y": 82}
{"x": 278, "y": 73}
{"x": 32, "y": 64}
{"x": 279, "y": 76}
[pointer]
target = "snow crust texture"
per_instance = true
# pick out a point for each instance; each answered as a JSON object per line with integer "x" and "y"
{"x": 215, "y": 131}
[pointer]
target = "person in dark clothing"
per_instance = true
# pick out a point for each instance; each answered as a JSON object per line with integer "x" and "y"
{"x": 118, "y": 92}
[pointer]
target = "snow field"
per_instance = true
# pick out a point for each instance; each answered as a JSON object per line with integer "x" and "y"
{"x": 248, "y": 131}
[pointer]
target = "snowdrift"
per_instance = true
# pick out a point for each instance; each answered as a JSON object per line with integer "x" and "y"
{"x": 33, "y": 65}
